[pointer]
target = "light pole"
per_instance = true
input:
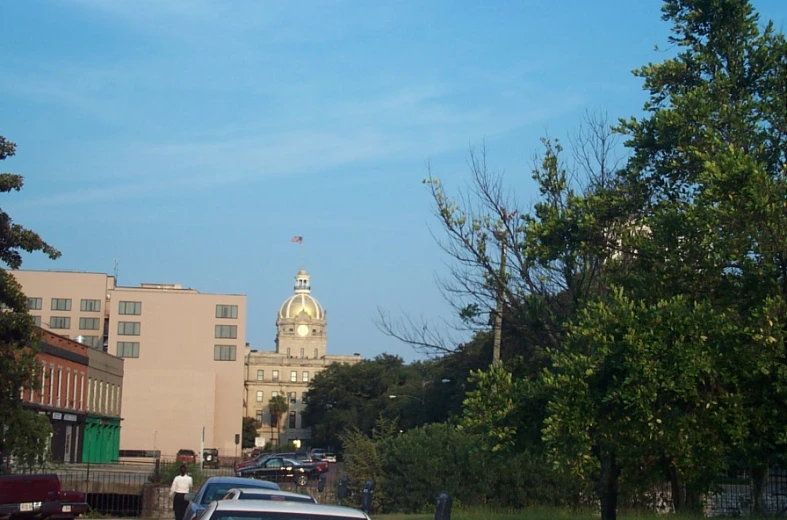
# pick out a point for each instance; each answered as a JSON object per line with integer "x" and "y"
{"x": 502, "y": 236}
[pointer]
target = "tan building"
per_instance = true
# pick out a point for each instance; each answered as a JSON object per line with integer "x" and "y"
{"x": 301, "y": 352}
{"x": 182, "y": 372}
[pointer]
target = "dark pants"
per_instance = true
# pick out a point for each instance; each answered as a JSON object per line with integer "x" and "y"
{"x": 179, "y": 504}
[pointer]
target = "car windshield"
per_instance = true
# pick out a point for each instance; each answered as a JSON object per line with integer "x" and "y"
{"x": 215, "y": 492}
{"x": 283, "y": 515}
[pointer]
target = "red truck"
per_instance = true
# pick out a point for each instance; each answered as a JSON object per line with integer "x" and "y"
{"x": 38, "y": 496}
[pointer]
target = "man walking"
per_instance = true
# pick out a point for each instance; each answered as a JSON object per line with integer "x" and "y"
{"x": 181, "y": 485}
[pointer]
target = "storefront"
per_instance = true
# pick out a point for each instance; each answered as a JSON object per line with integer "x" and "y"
{"x": 67, "y": 433}
{"x": 101, "y": 439}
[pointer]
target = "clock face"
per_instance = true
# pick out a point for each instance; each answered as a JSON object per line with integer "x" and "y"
{"x": 303, "y": 330}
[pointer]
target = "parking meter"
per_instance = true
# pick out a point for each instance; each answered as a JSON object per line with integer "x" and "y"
{"x": 321, "y": 483}
{"x": 368, "y": 495}
{"x": 443, "y": 509}
{"x": 342, "y": 488}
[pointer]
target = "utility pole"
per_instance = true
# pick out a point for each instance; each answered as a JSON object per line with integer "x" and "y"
{"x": 502, "y": 236}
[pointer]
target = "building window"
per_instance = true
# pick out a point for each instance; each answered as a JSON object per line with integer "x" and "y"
{"x": 227, "y": 331}
{"x": 89, "y": 323}
{"x": 128, "y": 349}
{"x": 260, "y": 415}
{"x": 288, "y": 352}
{"x": 92, "y": 341}
{"x": 260, "y": 375}
{"x": 224, "y": 353}
{"x": 34, "y": 304}
{"x": 90, "y": 305}
{"x": 37, "y": 320}
{"x": 302, "y": 353}
{"x": 128, "y": 328}
{"x": 130, "y": 308}
{"x": 292, "y": 420}
{"x": 227, "y": 311}
{"x": 275, "y": 376}
{"x": 274, "y": 394}
{"x": 316, "y": 354}
{"x": 61, "y": 304}
{"x": 59, "y": 322}
{"x": 274, "y": 421}
{"x": 292, "y": 398}
{"x": 305, "y": 377}
{"x": 260, "y": 396}
{"x": 293, "y": 376}
{"x": 304, "y": 397}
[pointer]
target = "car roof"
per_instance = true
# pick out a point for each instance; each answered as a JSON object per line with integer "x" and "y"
{"x": 264, "y": 491}
{"x": 240, "y": 482}
{"x": 269, "y": 506}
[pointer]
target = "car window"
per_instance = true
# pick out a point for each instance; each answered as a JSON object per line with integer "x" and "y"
{"x": 215, "y": 492}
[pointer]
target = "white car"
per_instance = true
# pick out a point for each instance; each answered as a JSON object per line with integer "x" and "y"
{"x": 277, "y": 510}
{"x": 267, "y": 494}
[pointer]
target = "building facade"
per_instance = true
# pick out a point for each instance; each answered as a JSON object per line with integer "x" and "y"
{"x": 102, "y": 423}
{"x": 182, "y": 369}
{"x": 300, "y": 352}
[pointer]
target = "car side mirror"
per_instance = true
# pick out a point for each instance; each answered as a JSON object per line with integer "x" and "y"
{"x": 189, "y": 497}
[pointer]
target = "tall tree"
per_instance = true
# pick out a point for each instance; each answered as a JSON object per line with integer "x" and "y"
{"x": 249, "y": 432}
{"x": 17, "y": 329}
{"x": 278, "y": 407}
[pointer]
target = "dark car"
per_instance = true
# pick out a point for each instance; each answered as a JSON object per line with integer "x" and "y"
{"x": 215, "y": 488}
{"x": 280, "y": 469}
{"x": 210, "y": 458}
{"x": 186, "y": 457}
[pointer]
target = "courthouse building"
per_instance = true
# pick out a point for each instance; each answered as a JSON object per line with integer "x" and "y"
{"x": 300, "y": 352}
{"x": 182, "y": 369}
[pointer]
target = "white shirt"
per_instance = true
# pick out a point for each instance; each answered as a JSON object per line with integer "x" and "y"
{"x": 181, "y": 484}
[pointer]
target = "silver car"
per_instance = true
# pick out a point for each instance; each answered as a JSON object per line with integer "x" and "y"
{"x": 267, "y": 494}
{"x": 277, "y": 510}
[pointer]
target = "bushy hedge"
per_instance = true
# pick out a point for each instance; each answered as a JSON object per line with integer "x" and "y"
{"x": 412, "y": 468}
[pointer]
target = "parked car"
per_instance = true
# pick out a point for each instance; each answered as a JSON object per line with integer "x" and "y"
{"x": 307, "y": 459}
{"x": 210, "y": 458}
{"x": 215, "y": 488}
{"x": 257, "y": 509}
{"x": 266, "y": 494}
{"x": 24, "y": 495}
{"x": 330, "y": 457}
{"x": 186, "y": 457}
{"x": 259, "y": 459}
{"x": 279, "y": 469}
{"x": 317, "y": 453}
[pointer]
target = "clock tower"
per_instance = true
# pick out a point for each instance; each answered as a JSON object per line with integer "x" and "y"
{"x": 301, "y": 325}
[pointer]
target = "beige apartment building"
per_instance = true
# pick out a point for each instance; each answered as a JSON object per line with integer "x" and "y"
{"x": 182, "y": 369}
{"x": 300, "y": 353}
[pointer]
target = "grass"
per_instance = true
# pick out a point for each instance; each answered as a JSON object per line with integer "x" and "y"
{"x": 531, "y": 514}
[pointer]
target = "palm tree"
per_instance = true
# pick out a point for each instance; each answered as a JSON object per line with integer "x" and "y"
{"x": 278, "y": 408}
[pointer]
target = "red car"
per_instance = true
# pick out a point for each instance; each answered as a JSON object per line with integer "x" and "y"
{"x": 186, "y": 457}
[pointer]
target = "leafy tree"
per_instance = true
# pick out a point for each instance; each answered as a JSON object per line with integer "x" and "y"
{"x": 278, "y": 407}
{"x": 249, "y": 431}
{"x": 17, "y": 329}
{"x": 28, "y": 435}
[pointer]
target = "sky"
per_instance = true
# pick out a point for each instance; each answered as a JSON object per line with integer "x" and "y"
{"x": 189, "y": 140}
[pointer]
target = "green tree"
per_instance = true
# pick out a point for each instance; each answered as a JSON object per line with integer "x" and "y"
{"x": 278, "y": 407}
{"x": 18, "y": 335}
{"x": 250, "y": 428}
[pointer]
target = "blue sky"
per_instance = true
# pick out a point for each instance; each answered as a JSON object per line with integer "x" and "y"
{"x": 190, "y": 139}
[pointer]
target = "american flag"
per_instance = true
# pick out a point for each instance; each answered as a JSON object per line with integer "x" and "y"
{"x": 297, "y": 238}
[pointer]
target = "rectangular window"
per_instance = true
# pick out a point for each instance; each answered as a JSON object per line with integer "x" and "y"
{"x": 260, "y": 396}
{"x": 61, "y": 304}
{"x": 274, "y": 394}
{"x": 92, "y": 341}
{"x": 260, "y": 415}
{"x": 224, "y": 353}
{"x": 260, "y": 375}
{"x": 294, "y": 376}
{"x": 274, "y": 421}
{"x": 89, "y": 323}
{"x": 59, "y": 322}
{"x": 292, "y": 420}
{"x": 316, "y": 354}
{"x": 292, "y": 398}
{"x": 227, "y": 311}
{"x": 275, "y": 376}
{"x": 130, "y": 308}
{"x": 128, "y": 328}
{"x": 34, "y": 304}
{"x": 304, "y": 397}
{"x": 90, "y": 305}
{"x": 128, "y": 349}
{"x": 37, "y": 320}
{"x": 305, "y": 377}
{"x": 303, "y": 353}
{"x": 227, "y": 331}
{"x": 288, "y": 351}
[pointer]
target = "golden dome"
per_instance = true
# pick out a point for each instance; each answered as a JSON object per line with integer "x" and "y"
{"x": 302, "y": 302}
